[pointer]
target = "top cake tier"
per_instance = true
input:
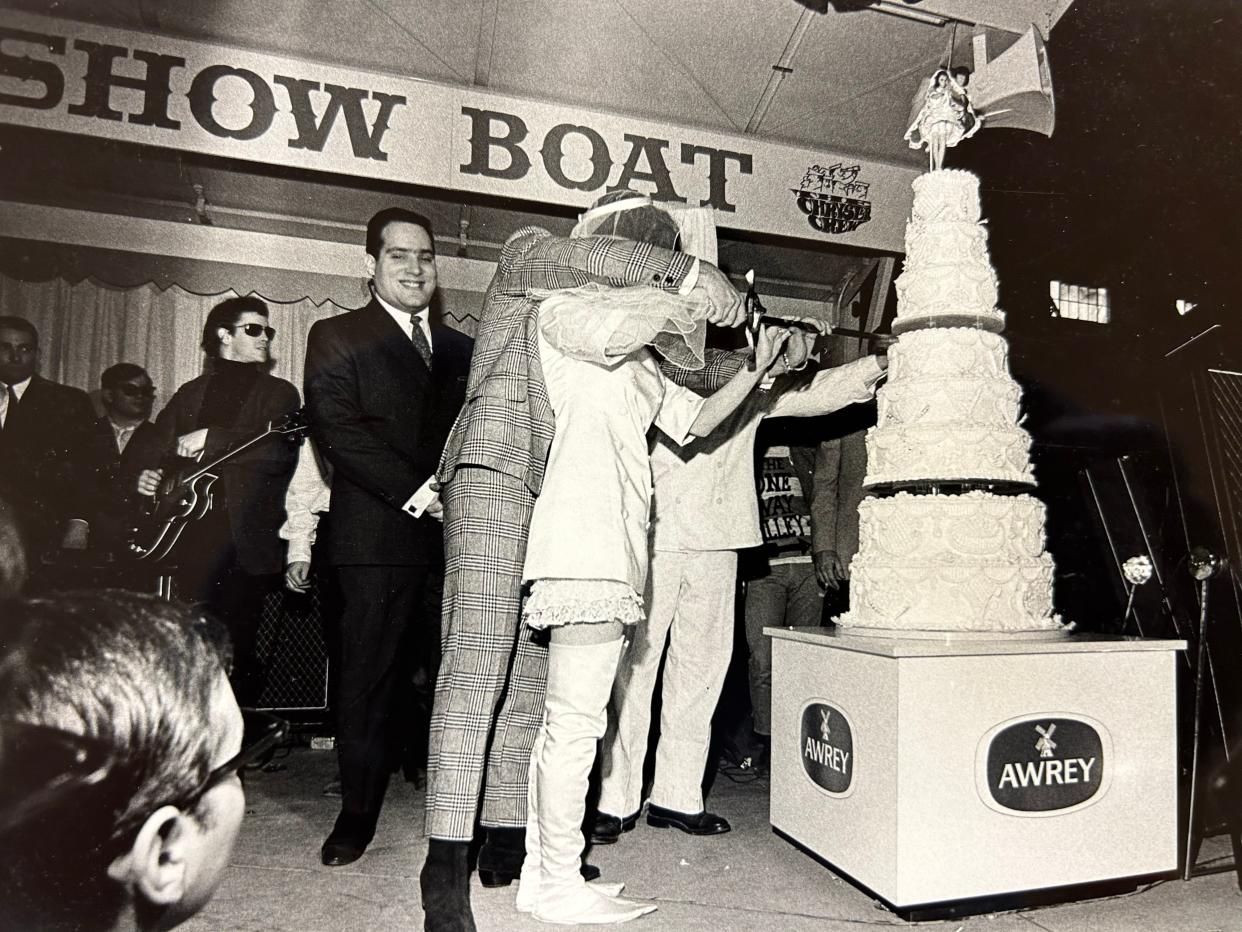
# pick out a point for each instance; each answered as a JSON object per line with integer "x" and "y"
{"x": 948, "y": 194}
{"x": 948, "y": 279}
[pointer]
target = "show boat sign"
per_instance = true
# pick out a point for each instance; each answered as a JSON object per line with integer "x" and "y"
{"x": 156, "y": 90}
{"x": 1044, "y": 765}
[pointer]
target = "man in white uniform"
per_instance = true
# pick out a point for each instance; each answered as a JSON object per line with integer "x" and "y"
{"x": 705, "y": 510}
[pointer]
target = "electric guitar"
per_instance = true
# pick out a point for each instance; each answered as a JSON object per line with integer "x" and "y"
{"x": 184, "y": 494}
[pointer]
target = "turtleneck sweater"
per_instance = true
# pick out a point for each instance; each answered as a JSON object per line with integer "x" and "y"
{"x": 228, "y": 387}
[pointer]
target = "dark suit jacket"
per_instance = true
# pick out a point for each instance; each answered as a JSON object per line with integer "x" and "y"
{"x": 109, "y": 481}
{"x": 255, "y": 480}
{"x": 381, "y": 418}
{"x": 39, "y": 450}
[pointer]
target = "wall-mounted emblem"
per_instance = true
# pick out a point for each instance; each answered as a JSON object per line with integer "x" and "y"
{"x": 833, "y": 198}
{"x": 1044, "y": 765}
{"x": 826, "y": 745}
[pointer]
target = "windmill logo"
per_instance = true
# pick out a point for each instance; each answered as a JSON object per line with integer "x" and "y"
{"x": 1045, "y": 745}
{"x": 826, "y": 746}
{"x": 1043, "y": 764}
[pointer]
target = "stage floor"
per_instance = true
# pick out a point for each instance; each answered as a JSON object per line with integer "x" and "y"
{"x": 749, "y": 879}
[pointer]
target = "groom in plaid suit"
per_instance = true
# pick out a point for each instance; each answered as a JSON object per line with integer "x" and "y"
{"x": 490, "y": 473}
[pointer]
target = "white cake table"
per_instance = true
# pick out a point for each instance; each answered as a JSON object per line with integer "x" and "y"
{"x": 936, "y": 770}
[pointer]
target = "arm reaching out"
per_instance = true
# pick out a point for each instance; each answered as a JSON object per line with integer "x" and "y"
{"x": 724, "y": 402}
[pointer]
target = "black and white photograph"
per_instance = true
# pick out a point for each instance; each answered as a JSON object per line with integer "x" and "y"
{"x": 711, "y": 465}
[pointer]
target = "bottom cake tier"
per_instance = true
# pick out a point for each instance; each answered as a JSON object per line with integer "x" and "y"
{"x": 969, "y": 563}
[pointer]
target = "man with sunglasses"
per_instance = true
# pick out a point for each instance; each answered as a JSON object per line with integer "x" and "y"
{"x": 120, "y": 748}
{"x": 113, "y": 452}
{"x": 233, "y": 556}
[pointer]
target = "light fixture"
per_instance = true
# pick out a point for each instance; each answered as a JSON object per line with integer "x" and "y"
{"x": 1184, "y": 307}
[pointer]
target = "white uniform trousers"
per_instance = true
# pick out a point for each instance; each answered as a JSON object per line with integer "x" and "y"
{"x": 690, "y": 604}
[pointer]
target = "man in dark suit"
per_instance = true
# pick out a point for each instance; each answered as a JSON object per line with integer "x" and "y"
{"x": 112, "y": 453}
{"x": 232, "y": 557}
{"x": 383, "y": 386}
{"x": 43, "y": 426}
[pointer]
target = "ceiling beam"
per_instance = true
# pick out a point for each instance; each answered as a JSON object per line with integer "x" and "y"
{"x": 485, "y": 47}
{"x": 783, "y": 66}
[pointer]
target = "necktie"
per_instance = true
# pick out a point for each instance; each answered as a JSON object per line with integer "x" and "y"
{"x": 419, "y": 339}
{"x": 12, "y": 407}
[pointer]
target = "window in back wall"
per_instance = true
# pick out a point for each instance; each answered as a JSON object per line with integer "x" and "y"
{"x": 1078, "y": 302}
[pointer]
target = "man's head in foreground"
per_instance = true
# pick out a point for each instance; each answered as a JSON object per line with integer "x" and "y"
{"x": 140, "y": 837}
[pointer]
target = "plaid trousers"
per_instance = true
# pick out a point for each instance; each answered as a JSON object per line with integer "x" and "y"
{"x": 486, "y": 655}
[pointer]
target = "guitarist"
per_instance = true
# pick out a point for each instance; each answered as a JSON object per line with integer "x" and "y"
{"x": 231, "y": 558}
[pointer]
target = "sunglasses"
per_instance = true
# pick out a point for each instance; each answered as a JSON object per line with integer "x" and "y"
{"x": 136, "y": 391}
{"x": 254, "y": 330}
{"x": 261, "y": 733}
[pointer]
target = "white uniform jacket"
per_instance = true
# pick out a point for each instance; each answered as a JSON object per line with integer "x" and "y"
{"x": 705, "y": 491}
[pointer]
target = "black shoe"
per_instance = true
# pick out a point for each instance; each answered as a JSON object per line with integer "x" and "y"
{"x": 608, "y": 828}
{"x": 348, "y": 840}
{"x": 700, "y": 823}
{"x": 417, "y": 776}
{"x": 445, "y": 885}
{"x": 500, "y": 858}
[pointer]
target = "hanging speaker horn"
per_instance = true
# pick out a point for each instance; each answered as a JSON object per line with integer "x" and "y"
{"x": 1014, "y": 89}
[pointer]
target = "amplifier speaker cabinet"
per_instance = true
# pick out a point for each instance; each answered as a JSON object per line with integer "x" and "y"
{"x": 293, "y": 649}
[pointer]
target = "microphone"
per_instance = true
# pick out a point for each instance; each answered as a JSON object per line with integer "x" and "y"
{"x": 1204, "y": 564}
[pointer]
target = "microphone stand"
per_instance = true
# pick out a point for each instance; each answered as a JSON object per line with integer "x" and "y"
{"x": 1203, "y": 566}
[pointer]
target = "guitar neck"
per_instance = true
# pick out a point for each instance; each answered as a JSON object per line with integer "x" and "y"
{"x": 227, "y": 454}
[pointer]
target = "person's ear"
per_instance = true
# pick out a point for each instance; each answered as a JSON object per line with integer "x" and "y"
{"x": 156, "y": 864}
{"x": 368, "y": 264}
{"x": 224, "y": 335}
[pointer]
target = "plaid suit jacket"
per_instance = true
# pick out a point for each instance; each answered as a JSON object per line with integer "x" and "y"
{"x": 507, "y": 422}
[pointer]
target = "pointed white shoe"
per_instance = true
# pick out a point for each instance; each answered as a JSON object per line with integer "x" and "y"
{"x": 528, "y": 894}
{"x": 528, "y": 883}
{"x": 586, "y": 906}
{"x": 579, "y": 683}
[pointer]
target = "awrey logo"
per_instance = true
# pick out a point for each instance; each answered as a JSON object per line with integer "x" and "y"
{"x": 1045, "y": 765}
{"x": 833, "y": 198}
{"x": 827, "y": 747}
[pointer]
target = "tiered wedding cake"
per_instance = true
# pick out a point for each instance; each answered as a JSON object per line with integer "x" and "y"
{"x": 939, "y": 548}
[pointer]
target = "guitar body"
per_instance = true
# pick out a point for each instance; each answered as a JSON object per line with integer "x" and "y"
{"x": 184, "y": 493}
{"x": 177, "y": 503}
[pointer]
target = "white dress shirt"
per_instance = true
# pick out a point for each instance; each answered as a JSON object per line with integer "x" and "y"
{"x": 19, "y": 389}
{"x": 309, "y": 495}
{"x": 405, "y": 320}
{"x": 122, "y": 434}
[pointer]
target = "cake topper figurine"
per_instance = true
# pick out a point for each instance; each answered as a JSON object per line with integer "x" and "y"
{"x": 944, "y": 120}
